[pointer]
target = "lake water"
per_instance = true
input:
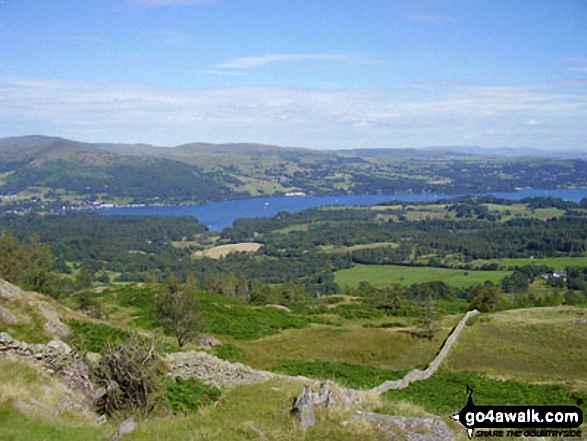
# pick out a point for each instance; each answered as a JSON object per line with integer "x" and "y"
{"x": 219, "y": 215}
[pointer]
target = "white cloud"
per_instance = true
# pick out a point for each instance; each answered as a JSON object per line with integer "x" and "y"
{"x": 290, "y": 116}
{"x": 260, "y": 60}
{"x": 221, "y": 73}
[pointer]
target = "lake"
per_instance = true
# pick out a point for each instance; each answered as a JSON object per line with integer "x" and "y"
{"x": 219, "y": 215}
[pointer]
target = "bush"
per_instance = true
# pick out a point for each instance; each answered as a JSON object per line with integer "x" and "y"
{"x": 132, "y": 373}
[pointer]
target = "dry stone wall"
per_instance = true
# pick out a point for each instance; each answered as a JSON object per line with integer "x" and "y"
{"x": 53, "y": 356}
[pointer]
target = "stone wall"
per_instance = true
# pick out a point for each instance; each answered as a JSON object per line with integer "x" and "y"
{"x": 419, "y": 375}
{"x": 213, "y": 370}
{"x": 53, "y": 356}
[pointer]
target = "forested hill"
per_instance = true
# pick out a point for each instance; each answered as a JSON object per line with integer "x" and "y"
{"x": 54, "y": 172}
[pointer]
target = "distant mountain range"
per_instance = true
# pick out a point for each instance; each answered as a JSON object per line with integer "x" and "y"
{"x": 56, "y": 171}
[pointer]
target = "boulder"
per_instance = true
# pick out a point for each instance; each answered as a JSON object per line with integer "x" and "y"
{"x": 75, "y": 376}
{"x": 9, "y": 291}
{"x": 409, "y": 429}
{"x": 207, "y": 341}
{"x": 54, "y": 325}
{"x": 7, "y": 316}
{"x": 303, "y": 408}
{"x": 126, "y": 427}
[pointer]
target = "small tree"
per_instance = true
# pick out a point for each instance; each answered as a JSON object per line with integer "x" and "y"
{"x": 179, "y": 311}
{"x": 486, "y": 298}
{"x": 429, "y": 324}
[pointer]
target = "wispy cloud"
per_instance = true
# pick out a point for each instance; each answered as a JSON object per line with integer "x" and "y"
{"x": 578, "y": 64}
{"x": 487, "y": 115}
{"x": 222, "y": 73}
{"x": 432, "y": 18}
{"x": 261, "y": 60}
{"x": 581, "y": 69}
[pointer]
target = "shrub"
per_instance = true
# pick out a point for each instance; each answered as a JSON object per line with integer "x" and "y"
{"x": 132, "y": 373}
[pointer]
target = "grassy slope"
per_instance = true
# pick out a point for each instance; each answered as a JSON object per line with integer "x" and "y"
{"x": 536, "y": 345}
{"x": 388, "y": 274}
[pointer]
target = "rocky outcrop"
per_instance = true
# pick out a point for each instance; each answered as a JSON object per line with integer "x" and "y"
{"x": 9, "y": 291}
{"x": 419, "y": 375}
{"x": 409, "y": 429}
{"x": 7, "y": 316}
{"x": 126, "y": 427}
{"x": 53, "y": 356}
{"x": 328, "y": 395}
{"x": 207, "y": 341}
{"x": 76, "y": 377}
{"x": 53, "y": 325}
{"x": 213, "y": 370}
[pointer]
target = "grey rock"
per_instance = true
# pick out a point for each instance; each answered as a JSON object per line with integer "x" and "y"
{"x": 75, "y": 376}
{"x": 213, "y": 370}
{"x": 126, "y": 427}
{"x": 54, "y": 325}
{"x": 303, "y": 408}
{"x": 9, "y": 291}
{"x": 207, "y": 341}
{"x": 7, "y": 316}
{"x": 580, "y": 321}
{"x": 410, "y": 429}
{"x": 92, "y": 358}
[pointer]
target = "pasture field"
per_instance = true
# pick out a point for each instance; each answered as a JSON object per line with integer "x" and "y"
{"x": 225, "y": 250}
{"x": 408, "y": 275}
{"x": 539, "y": 345}
{"x": 393, "y": 349}
{"x": 558, "y": 263}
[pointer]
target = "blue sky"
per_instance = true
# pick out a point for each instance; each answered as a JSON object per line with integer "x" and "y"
{"x": 318, "y": 74}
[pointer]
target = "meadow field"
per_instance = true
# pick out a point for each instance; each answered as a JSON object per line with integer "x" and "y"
{"x": 408, "y": 275}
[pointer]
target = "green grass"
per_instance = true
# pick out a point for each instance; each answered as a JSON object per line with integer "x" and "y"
{"x": 94, "y": 337}
{"x": 407, "y": 275}
{"x": 16, "y": 426}
{"x": 558, "y": 263}
{"x": 537, "y": 345}
{"x": 246, "y": 411}
{"x": 223, "y": 315}
{"x": 188, "y": 395}
{"x": 351, "y": 375}
{"x": 386, "y": 348}
{"x": 445, "y": 393}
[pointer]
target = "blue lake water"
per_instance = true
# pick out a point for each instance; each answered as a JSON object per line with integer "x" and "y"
{"x": 219, "y": 215}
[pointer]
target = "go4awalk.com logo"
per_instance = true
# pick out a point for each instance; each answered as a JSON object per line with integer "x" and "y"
{"x": 517, "y": 421}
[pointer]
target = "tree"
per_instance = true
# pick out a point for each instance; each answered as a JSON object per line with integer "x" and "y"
{"x": 27, "y": 264}
{"x": 84, "y": 278}
{"x": 485, "y": 298}
{"x": 429, "y": 323}
{"x": 179, "y": 311}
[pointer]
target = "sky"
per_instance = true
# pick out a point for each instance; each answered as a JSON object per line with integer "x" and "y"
{"x": 322, "y": 74}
